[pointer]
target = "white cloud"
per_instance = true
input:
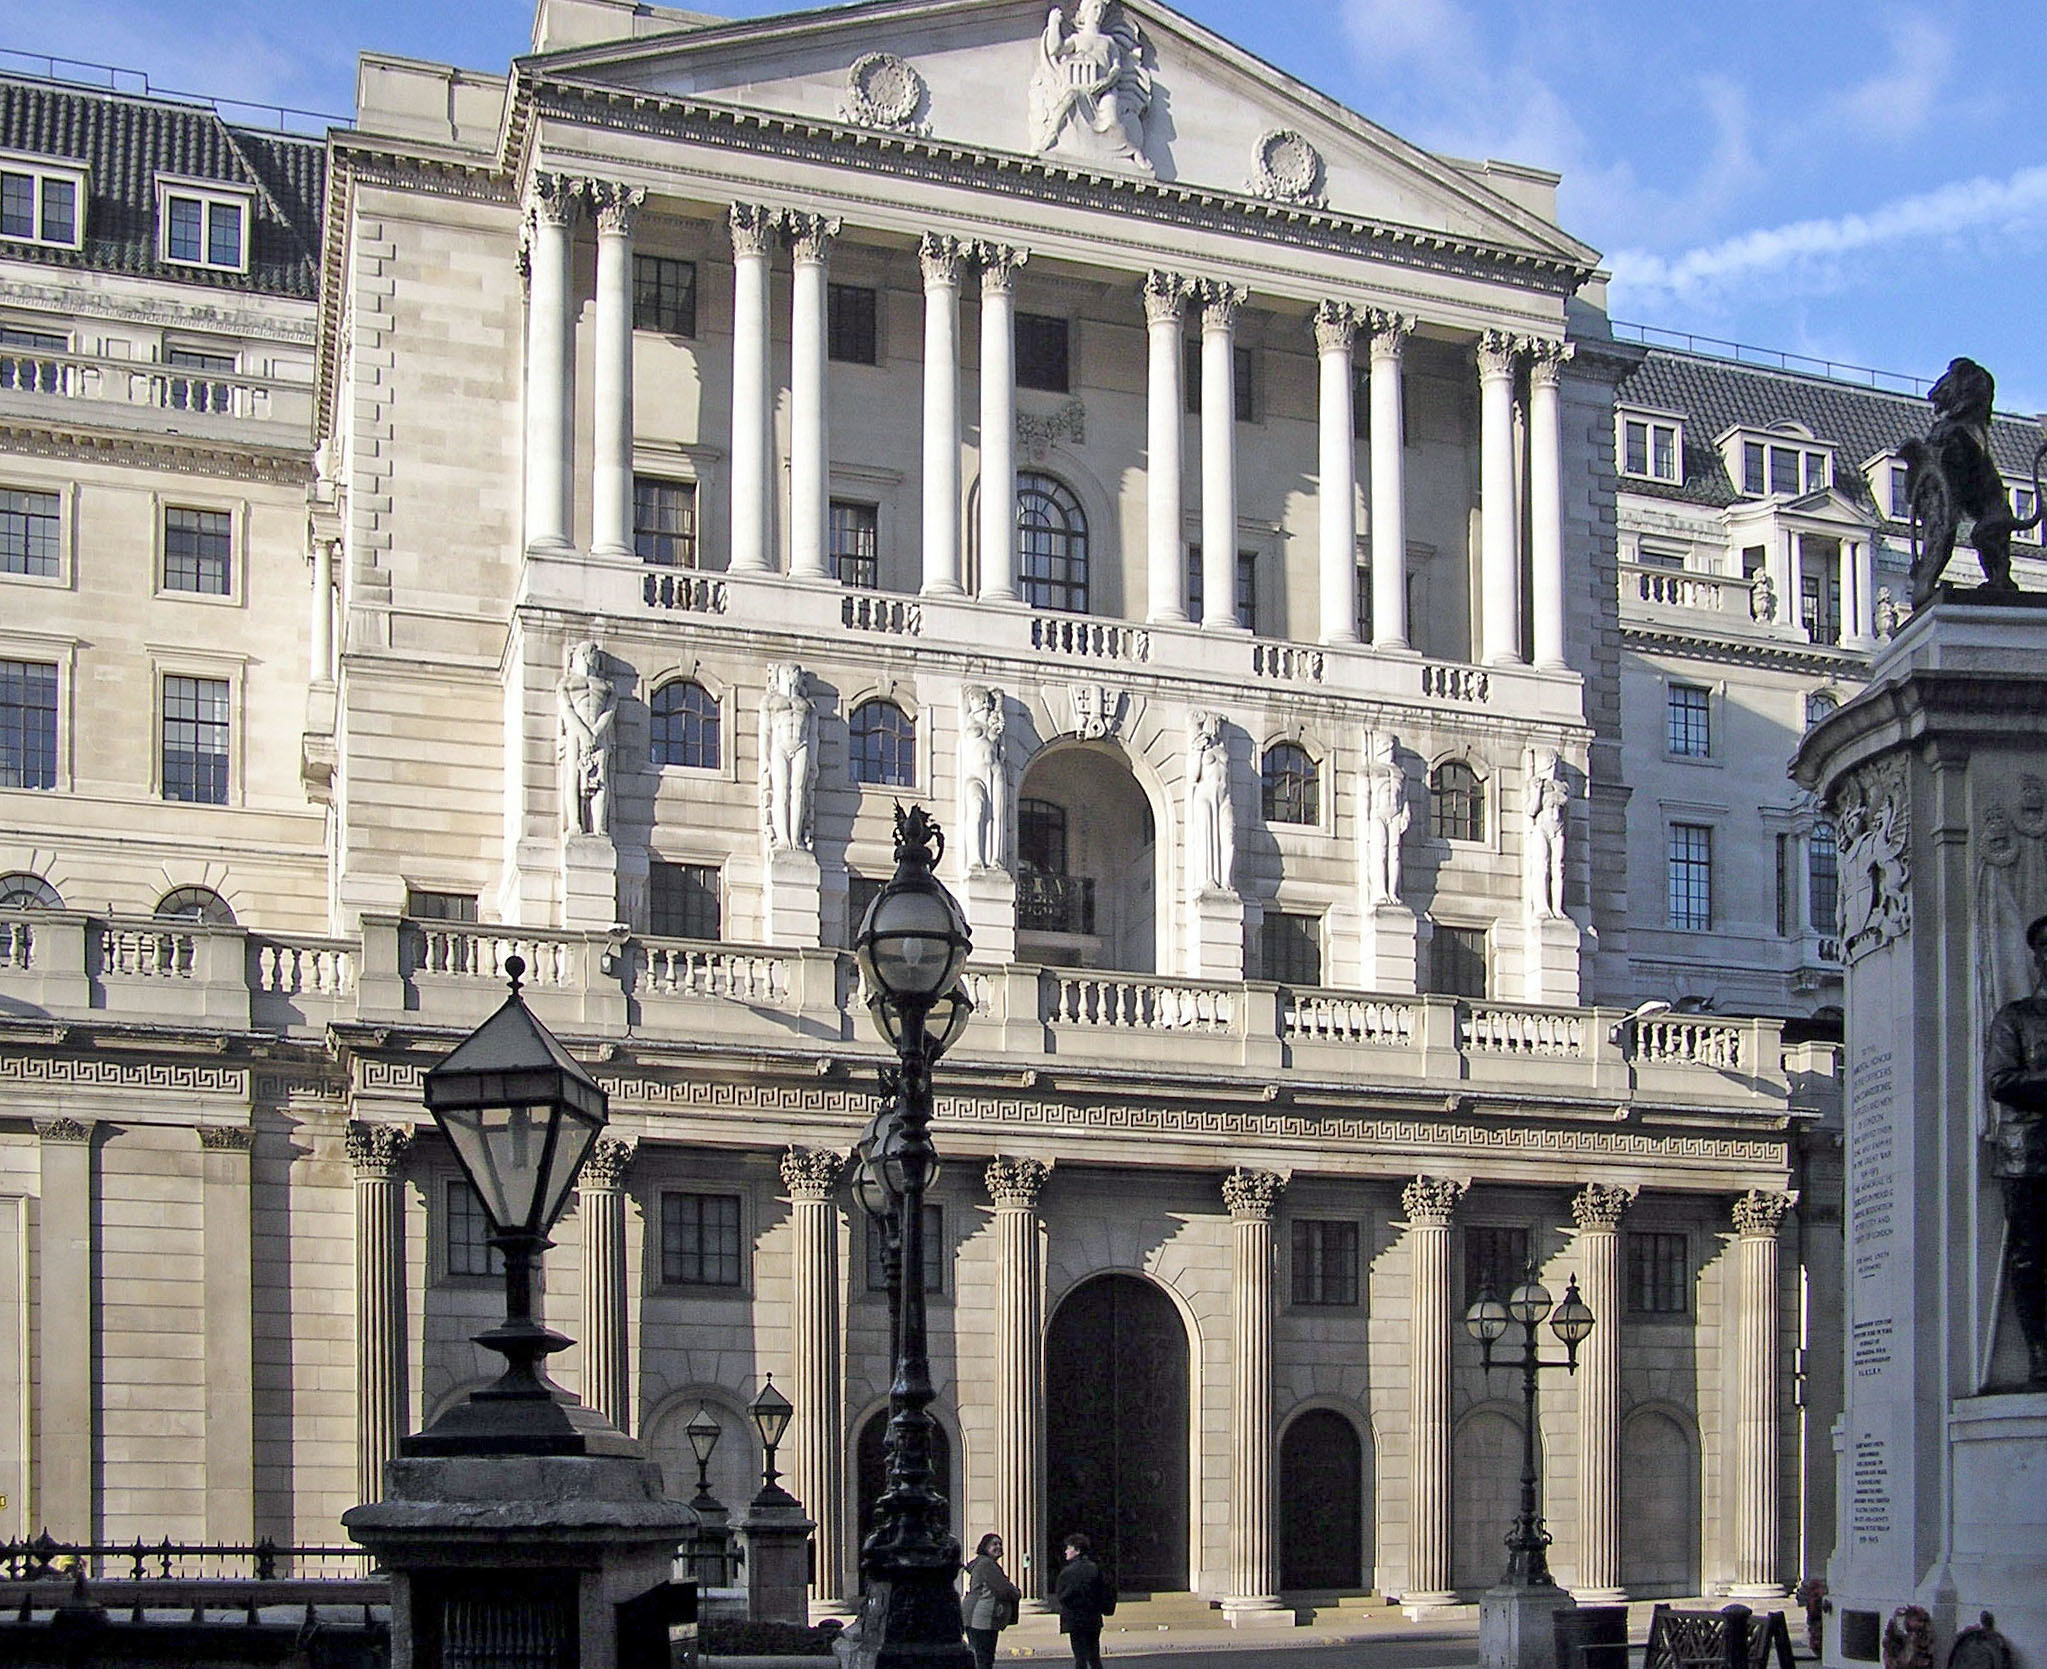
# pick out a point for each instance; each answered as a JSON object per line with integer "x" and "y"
{"x": 1899, "y": 101}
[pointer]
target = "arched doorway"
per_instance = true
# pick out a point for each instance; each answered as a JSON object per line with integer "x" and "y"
{"x": 1321, "y": 1503}
{"x": 1659, "y": 1507}
{"x": 1087, "y": 883}
{"x": 1485, "y": 1460}
{"x": 871, "y": 1462}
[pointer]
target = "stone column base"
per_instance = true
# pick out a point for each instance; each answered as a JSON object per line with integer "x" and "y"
{"x": 1257, "y": 1611}
{"x": 1515, "y": 1627}
{"x": 1599, "y": 1596}
{"x": 1747, "y": 1592}
{"x": 589, "y": 877}
{"x": 1428, "y": 1603}
{"x": 790, "y": 907}
{"x": 1549, "y": 967}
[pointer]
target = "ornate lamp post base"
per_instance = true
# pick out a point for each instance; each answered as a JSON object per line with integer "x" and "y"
{"x": 910, "y": 1619}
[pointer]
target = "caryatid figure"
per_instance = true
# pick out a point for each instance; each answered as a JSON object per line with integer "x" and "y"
{"x": 1211, "y": 817}
{"x": 788, "y": 757}
{"x": 1549, "y": 799}
{"x": 586, "y": 709}
{"x": 1387, "y": 814}
{"x": 984, "y": 778}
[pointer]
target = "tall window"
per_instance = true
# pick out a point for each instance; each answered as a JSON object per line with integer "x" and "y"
{"x": 468, "y": 1232}
{"x": 1043, "y": 353}
{"x": 1899, "y": 493}
{"x": 1659, "y": 1274}
{"x": 195, "y": 738}
{"x": 1325, "y": 1261}
{"x": 28, "y": 533}
{"x": 935, "y": 1259}
{"x": 884, "y": 745}
{"x": 1691, "y": 877}
{"x": 28, "y": 724}
{"x": 1457, "y": 961}
{"x": 850, "y": 312}
{"x": 1819, "y": 591}
{"x": 1051, "y": 544}
{"x": 665, "y": 522}
{"x": 1823, "y": 879}
{"x": 1247, "y": 588}
{"x": 1691, "y": 722}
{"x": 1291, "y": 785}
{"x": 1783, "y": 885}
{"x": 861, "y": 892}
{"x": 1041, "y": 836}
{"x": 1290, "y": 948}
{"x": 1494, "y": 1258}
{"x": 686, "y": 725}
{"x": 1456, "y": 802}
{"x": 683, "y": 901}
{"x": 700, "y": 1244}
{"x": 198, "y": 551}
{"x": 856, "y": 544}
{"x": 664, "y": 295}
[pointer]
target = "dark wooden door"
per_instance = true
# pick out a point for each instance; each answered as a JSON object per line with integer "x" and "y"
{"x": 1116, "y": 1431}
{"x": 1321, "y": 1503}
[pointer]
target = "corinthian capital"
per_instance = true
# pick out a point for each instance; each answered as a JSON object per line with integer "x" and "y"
{"x": 618, "y": 206}
{"x": 555, "y": 199}
{"x": 1547, "y": 357}
{"x": 811, "y": 1173}
{"x": 1165, "y": 296}
{"x": 1429, "y": 1200}
{"x": 1336, "y": 322}
{"x": 1598, "y": 1206}
{"x": 1390, "y": 331}
{"x": 1758, "y": 1216}
{"x": 1016, "y": 1183}
{"x": 998, "y": 263}
{"x": 810, "y": 235}
{"x": 753, "y": 227}
{"x": 610, "y": 1158}
{"x": 63, "y": 1130}
{"x": 1252, "y": 1196}
{"x": 1221, "y": 303}
{"x": 376, "y": 1149}
{"x": 1497, "y": 350}
{"x": 940, "y": 255}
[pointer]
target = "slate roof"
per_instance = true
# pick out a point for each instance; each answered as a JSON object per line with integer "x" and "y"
{"x": 1715, "y": 395}
{"x": 127, "y": 141}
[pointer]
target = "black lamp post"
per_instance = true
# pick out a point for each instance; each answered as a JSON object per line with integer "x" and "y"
{"x": 771, "y": 1413}
{"x": 912, "y": 947}
{"x": 703, "y": 1432}
{"x": 521, "y": 1116}
{"x": 1487, "y": 1321}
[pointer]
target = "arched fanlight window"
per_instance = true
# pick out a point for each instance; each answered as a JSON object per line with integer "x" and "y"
{"x": 22, "y": 891}
{"x": 686, "y": 726}
{"x": 884, "y": 745}
{"x": 1051, "y": 543}
{"x": 1292, "y": 785}
{"x": 1819, "y": 705}
{"x": 200, "y": 904}
{"x": 1456, "y": 802}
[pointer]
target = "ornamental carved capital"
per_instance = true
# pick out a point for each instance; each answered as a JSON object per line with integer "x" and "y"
{"x": 1600, "y": 1206}
{"x": 1016, "y": 1183}
{"x": 68, "y": 1130}
{"x": 1336, "y": 323}
{"x": 811, "y": 1173}
{"x": 618, "y": 207}
{"x": 1758, "y": 1216}
{"x": 998, "y": 263}
{"x": 1252, "y": 1196}
{"x": 1221, "y": 303}
{"x": 226, "y": 1138}
{"x": 1165, "y": 296}
{"x": 376, "y": 1149}
{"x": 1546, "y": 360}
{"x": 1497, "y": 352}
{"x": 1390, "y": 331}
{"x": 610, "y": 1158}
{"x": 1429, "y": 1201}
{"x": 555, "y": 199}
{"x": 810, "y": 235}
{"x": 753, "y": 227}
{"x": 940, "y": 255}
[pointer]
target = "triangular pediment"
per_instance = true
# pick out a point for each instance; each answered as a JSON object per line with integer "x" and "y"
{"x": 1136, "y": 90}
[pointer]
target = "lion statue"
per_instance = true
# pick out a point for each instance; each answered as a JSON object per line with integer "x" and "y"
{"x": 1950, "y": 476}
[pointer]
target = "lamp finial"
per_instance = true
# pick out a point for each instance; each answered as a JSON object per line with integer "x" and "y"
{"x": 515, "y": 971}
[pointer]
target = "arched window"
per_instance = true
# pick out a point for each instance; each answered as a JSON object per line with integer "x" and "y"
{"x": 1051, "y": 544}
{"x": 200, "y": 904}
{"x": 1456, "y": 802}
{"x": 1819, "y": 705}
{"x": 884, "y": 745}
{"x": 22, "y": 891}
{"x": 686, "y": 725}
{"x": 1292, "y": 785}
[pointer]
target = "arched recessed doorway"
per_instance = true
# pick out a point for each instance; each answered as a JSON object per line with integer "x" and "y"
{"x": 1116, "y": 1431}
{"x": 871, "y": 1462}
{"x": 1087, "y": 885}
{"x": 1321, "y": 1503}
{"x": 1485, "y": 1460}
{"x": 1659, "y": 1507}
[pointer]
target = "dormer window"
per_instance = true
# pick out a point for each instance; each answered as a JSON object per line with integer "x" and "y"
{"x": 201, "y": 226}
{"x": 1777, "y": 467}
{"x": 1887, "y": 476}
{"x": 2025, "y": 502}
{"x": 41, "y": 204}
{"x": 1651, "y": 447}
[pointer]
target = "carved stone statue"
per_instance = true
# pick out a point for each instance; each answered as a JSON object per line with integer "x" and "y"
{"x": 1091, "y": 89}
{"x": 1549, "y": 801}
{"x": 586, "y": 704}
{"x": 1383, "y": 789}
{"x": 984, "y": 778}
{"x": 788, "y": 757}
{"x": 1887, "y": 616}
{"x": 1762, "y": 597}
{"x": 2015, "y": 1074}
{"x": 1951, "y": 475}
{"x": 1211, "y": 816}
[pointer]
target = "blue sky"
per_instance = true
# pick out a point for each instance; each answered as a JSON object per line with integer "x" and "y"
{"x": 1860, "y": 182}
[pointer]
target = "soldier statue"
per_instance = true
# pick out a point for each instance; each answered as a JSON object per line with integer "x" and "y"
{"x": 2015, "y": 1073}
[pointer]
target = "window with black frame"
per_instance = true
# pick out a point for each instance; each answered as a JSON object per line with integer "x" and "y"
{"x": 665, "y": 522}
{"x": 1457, "y": 961}
{"x": 1456, "y": 802}
{"x": 1290, "y": 948}
{"x": 1495, "y": 1259}
{"x": 1043, "y": 352}
{"x": 664, "y": 295}
{"x": 683, "y": 901}
{"x": 1052, "y": 544}
{"x": 1291, "y": 785}
{"x": 1325, "y": 1261}
{"x": 1659, "y": 1273}
{"x": 851, "y": 330}
{"x": 685, "y": 726}
{"x": 882, "y": 745}
{"x": 466, "y": 1227}
{"x": 855, "y": 535}
{"x": 700, "y": 1240}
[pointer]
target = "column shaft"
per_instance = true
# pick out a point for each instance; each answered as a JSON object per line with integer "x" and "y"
{"x": 607, "y": 1360}
{"x": 611, "y": 475}
{"x": 1220, "y": 303}
{"x": 998, "y": 420}
{"x": 1253, "y": 1197}
{"x": 230, "y": 1334}
{"x": 940, "y": 257}
{"x": 1546, "y": 502}
{"x": 810, "y": 239}
{"x": 1389, "y": 484}
{"x": 1014, "y": 1185}
{"x": 1864, "y": 561}
{"x": 816, "y": 1431}
{"x": 1794, "y": 583}
{"x": 753, "y": 229}
{"x": 1598, "y": 1210}
{"x": 321, "y": 657}
{"x": 1499, "y": 542}
{"x": 1335, "y": 323}
{"x": 1429, "y": 1204}
{"x": 550, "y": 364}
{"x": 376, "y": 1151}
{"x": 1165, "y": 295}
{"x": 67, "y": 1323}
{"x": 1757, "y": 1484}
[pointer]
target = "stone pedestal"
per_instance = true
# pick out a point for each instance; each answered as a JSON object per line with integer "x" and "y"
{"x": 790, "y": 898}
{"x": 989, "y": 898}
{"x": 1215, "y": 936}
{"x": 1549, "y": 961}
{"x": 1516, "y": 1627}
{"x": 1942, "y": 1453}
{"x": 777, "y": 1540}
{"x": 1388, "y": 950}
{"x": 589, "y": 881}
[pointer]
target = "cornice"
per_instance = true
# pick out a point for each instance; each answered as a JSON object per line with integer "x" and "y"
{"x": 179, "y": 454}
{"x": 1782, "y": 655}
{"x": 154, "y": 310}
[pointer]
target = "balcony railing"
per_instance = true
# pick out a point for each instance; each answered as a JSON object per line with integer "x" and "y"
{"x": 124, "y": 382}
{"x": 1054, "y": 903}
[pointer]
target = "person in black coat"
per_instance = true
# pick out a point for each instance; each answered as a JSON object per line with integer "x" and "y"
{"x": 1084, "y": 1597}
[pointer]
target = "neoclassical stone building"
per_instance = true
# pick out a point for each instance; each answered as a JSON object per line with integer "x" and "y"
{"x": 1201, "y": 498}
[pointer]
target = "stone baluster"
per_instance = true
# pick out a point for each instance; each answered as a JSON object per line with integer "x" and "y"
{"x": 377, "y": 1151}
{"x": 611, "y": 475}
{"x": 753, "y": 233}
{"x": 66, "y": 1391}
{"x": 1165, "y": 299}
{"x": 1220, "y": 304}
{"x": 1499, "y": 536}
{"x": 1598, "y": 1209}
{"x": 998, "y": 418}
{"x": 1429, "y": 1203}
{"x": 1389, "y": 483}
{"x": 1253, "y": 1200}
{"x": 816, "y": 1431}
{"x": 601, "y": 1203}
{"x": 552, "y": 202}
{"x": 1014, "y": 1186}
{"x": 1757, "y": 1485}
{"x": 1336, "y": 323}
{"x": 810, "y": 240}
{"x": 1546, "y": 500}
{"x": 940, "y": 257}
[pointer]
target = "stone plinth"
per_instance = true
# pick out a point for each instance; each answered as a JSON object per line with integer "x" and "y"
{"x": 1549, "y": 966}
{"x": 777, "y": 1540}
{"x": 989, "y": 899}
{"x": 1516, "y": 1627}
{"x": 589, "y": 881}
{"x": 1215, "y": 936}
{"x": 789, "y": 898}
{"x": 1388, "y": 949}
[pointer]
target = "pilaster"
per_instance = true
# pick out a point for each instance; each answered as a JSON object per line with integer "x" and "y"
{"x": 67, "y": 1398}
{"x": 1757, "y": 1486}
{"x": 377, "y": 1151}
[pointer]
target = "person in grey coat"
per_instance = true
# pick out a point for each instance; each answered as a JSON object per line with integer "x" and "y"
{"x": 991, "y": 1600}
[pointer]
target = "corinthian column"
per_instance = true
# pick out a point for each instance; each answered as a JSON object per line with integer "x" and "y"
{"x": 998, "y": 418}
{"x": 1336, "y": 322}
{"x": 1165, "y": 297}
{"x": 816, "y": 1446}
{"x": 1546, "y": 501}
{"x": 1014, "y": 1185}
{"x": 1598, "y": 1209}
{"x": 940, "y": 258}
{"x": 1389, "y": 483}
{"x": 551, "y": 202}
{"x": 377, "y": 1151}
{"x": 600, "y": 1192}
{"x": 611, "y": 478}
{"x": 810, "y": 239}
{"x": 1429, "y": 1203}
{"x": 1757, "y": 1217}
{"x": 1499, "y": 542}
{"x": 1253, "y": 1197}
{"x": 753, "y": 232}
{"x": 1220, "y": 304}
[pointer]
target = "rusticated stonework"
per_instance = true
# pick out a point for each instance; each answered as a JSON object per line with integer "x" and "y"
{"x": 1599, "y": 1205}
{"x": 1431, "y": 1200}
{"x": 376, "y": 1149}
{"x": 1016, "y": 1183}
{"x": 1252, "y": 1195}
{"x": 811, "y": 1173}
{"x": 1761, "y": 1215}
{"x": 610, "y": 1158}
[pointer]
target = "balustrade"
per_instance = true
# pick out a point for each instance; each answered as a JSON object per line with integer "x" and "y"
{"x": 126, "y": 382}
{"x": 1685, "y": 1040}
{"x": 873, "y": 611}
{"x": 1333, "y": 1017}
{"x": 1287, "y": 660}
{"x": 1054, "y": 903}
{"x": 1119, "y": 1002}
{"x": 684, "y": 592}
{"x": 1444, "y": 682}
{"x": 676, "y": 968}
{"x": 1095, "y": 640}
{"x": 1490, "y": 1030}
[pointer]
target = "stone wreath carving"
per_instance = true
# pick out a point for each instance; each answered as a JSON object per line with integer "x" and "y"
{"x": 1873, "y": 826}
{"x": 1285, "y": 167}
{"x": 1038, "y": 432}
{"x": 884, "y": 91}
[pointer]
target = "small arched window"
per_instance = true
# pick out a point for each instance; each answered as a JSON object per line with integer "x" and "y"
{"x": 1819, "y": 705}
{"x": 1051, "y": 541}
{"x": 884, "y": 745}
{"x": 685, "y": 725}
{"x": 1292, "y": 785}
{"x": 200, "y": 904}
{"x": 22, "y": 891}
{"x": 1456, "y": 802}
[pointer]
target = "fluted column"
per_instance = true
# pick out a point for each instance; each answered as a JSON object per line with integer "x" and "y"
{"x": 810, "y": 239}
{"x": 1014, "y": 1186}
{"x": 1499, "y": 542}
{"x": 753, "y": 232}
{"x": 1546, "y": 500}
{"x": 1757, "y": 1217}
{"x": 600, "y": 1193}
{"x": 816, "y": 1431}
{"x": 998, "y": 418}
{"x": 940, "y": 258}
{"x": 1219, "y": 307}
{"x": 1429, "y": 1203}
{"x": 1336, "y": 322}
{"x": 552, "y": 201}
{"x": 1389, "y": 483}
{"x": 1598, "y": 1209}
{"x": 1253, "y": 1199}
{"x": 377, "y": 1151}
{"x": 1165, "y": 299}
{"x": 611, "y": 476}
{"x": 67, "y": 1327}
